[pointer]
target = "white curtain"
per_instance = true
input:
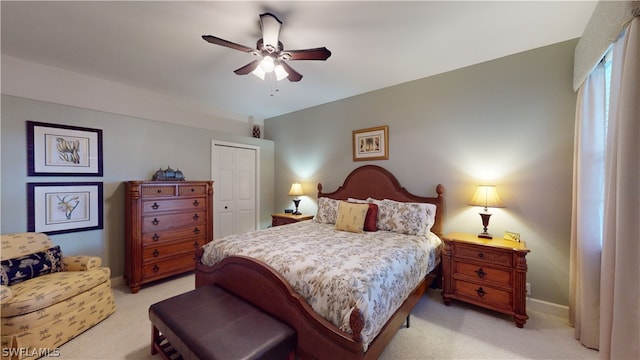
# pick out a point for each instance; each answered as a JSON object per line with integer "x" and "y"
{"x": 620, "y": 272}
{"x": 605, "y": 243}
{"x": 588, "y": 207}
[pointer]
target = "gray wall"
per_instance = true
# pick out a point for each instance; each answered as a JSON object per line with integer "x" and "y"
{"x": 508, "y": 122}
{"x": 134, "y": 149}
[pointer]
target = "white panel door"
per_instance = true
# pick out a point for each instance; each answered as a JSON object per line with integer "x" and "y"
{"x": 234, "y": 176}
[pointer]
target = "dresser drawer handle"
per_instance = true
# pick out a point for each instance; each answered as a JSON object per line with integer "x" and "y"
{"x": 155, "y": 206}
{"x": 480, "y": 255}
{"x": 195, "y": 244}
{"x": 159, "y": 191}
{"x": 196, "y": 231}
{"x": 195, "y": 217}
{"x": 155, "y": 268}
{"x": 195, "y": 203}
{"x": 156, "y": 253}
{"x": 481, "y": 274}
{"x": 481, "y": 292}
{"x": 155, "y": 221}
{"x": 155, "y": 237}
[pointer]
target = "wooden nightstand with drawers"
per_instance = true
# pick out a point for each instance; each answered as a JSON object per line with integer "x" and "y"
{"x": 284, "y": 218}
{"x": 491, "y": 273}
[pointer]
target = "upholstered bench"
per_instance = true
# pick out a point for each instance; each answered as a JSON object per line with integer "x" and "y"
{"x": 211, "y": 323}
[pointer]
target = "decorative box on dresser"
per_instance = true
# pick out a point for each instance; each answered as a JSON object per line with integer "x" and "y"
{"x": 165, "y": 223}
{"x": 285, "y": 218}
{"x": 491, "y": 273}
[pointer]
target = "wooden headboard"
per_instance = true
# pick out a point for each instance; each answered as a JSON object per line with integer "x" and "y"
{"x": 378, "y": 183}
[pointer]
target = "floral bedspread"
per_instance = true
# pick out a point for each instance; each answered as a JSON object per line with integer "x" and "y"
{"x": 338, "y": 271}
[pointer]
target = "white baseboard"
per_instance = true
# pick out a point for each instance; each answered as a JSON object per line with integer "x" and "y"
{"x": 546, "y": 307}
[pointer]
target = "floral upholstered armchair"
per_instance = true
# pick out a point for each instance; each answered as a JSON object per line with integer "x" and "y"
{"x": 47, "y": 299}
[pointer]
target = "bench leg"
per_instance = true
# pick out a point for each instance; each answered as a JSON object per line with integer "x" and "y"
{"x": 155, "y": 339}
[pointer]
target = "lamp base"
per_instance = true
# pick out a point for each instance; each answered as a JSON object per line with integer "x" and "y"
{"x": 485, "y": 225}
{"x": 296, "y": 202}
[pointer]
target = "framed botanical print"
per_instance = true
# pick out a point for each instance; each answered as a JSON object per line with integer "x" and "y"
{"x": 371, "y": 144}
{"x": 63, "y": 150}
{"x": 56, "y": 208}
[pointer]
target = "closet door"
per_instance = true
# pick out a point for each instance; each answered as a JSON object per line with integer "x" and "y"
{"x": 234, "y": 176}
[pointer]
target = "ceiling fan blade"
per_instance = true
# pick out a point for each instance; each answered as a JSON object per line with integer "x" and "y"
{"x": 294, "y": 76}
{"x": 217, "y": 41}
{"x": 247, "y": 68}
{"x": 308, "y": 54}
{"x": 270, "y": 31}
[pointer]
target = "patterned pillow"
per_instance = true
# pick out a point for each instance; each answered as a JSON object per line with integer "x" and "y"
{"x": 406, "y": 218}
{"x": 371, "y": 221}
{"x": 351, "y": 217}
{"x": 327, "y": 211}
{"x": 30, "y": 266}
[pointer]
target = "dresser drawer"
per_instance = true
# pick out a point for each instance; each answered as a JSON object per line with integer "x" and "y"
{"x": 171, "y": 221}
{"x": 482, "y": 273}
{"x": 156, "y": 237}
{"x": 156, "y": 206}
{"x": 158, "y": 190}
{"x": 185, "y": 190}
{"x": 277, "y": 221}
{"x": 483, "y": 254}
{"x": 172, "y": 266}
{"x": 156, "y": 252}
{"x": 484, "y": 294}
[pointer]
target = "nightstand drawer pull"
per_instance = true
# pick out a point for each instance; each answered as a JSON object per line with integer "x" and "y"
{"x": 155, "y": 268}
{"x": 481, "y": 274}
{"x": 155, "y": 206}
{"x": 155, "y": 221}
{"x": 195, "y": 203}
{"x": 156, "y": 253}
{"x": 196, "y": 231}
{"x": 480, "y": 255}
{"x": 155, "y": 237}
{"x": 481, "y": 292}
{"x": 195, "y": 217}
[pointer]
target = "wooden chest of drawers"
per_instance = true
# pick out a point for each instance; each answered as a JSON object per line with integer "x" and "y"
{"x": 165, "y": 223}
{"x": 489, "y": 273}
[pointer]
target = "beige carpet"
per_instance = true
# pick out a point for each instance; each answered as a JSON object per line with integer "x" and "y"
{"x": 437, "y": 331}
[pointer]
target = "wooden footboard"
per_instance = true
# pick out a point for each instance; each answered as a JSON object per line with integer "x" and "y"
{"x": 263, "y": 287}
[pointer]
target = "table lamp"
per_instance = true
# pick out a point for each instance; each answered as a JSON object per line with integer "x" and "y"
{"x": 486, "y": 196}
{"x": 296, "y": 190}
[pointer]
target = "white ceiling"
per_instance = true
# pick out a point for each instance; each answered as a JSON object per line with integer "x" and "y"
{"x": 157, "y": 45}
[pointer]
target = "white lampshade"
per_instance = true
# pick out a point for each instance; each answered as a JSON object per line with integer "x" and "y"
{"x": 486, "y": 196}
{"x": 280, "y": 72}
{"x": 296, "y": 190}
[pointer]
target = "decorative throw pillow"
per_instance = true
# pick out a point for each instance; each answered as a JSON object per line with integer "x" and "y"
{"x": 327, "y": 210}
{"x": 351, "y": 217}
{"x": 371, "y": 220}
{"x": 30, "y": 266}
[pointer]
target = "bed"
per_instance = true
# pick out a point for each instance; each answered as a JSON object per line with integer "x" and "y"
{"x": 360, "y": 326}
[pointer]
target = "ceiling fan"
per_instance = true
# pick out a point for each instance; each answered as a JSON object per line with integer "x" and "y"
{"x": 270, "y": 52}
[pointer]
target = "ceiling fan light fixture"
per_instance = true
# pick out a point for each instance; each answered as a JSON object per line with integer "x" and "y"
{"x": 280, "y": 72}
{"x": 267, "y": 64}
{"x": 259, "y": 72}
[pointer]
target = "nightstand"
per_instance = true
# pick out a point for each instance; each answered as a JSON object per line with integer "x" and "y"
{"x": 491, "y": 273}
{"x": 284, "y": 219}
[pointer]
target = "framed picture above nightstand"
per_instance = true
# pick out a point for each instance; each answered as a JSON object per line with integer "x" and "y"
{"x": 491, "y": 273}
{"x": 284, "y": 218}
